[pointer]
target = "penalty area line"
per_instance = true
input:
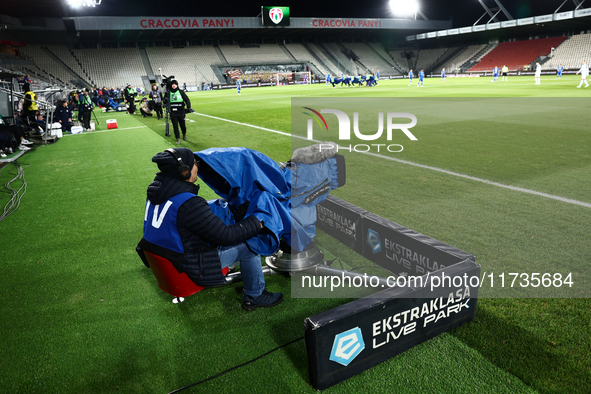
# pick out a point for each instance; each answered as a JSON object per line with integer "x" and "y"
{"x": 441, "y": 170}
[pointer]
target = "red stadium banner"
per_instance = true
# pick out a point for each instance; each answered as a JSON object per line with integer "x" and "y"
{"x": 13, "y": 43}
{"x": 347, "y": 23}
{"x": 175, "y": 23}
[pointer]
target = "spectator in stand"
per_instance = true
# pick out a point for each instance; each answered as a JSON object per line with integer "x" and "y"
{"x": 130, "y": 94}
{"x": 156, "y": 101}
{"x": 26, "y": 79}
{"x": 145, "y": 108}
{"x": 64, "y": 116}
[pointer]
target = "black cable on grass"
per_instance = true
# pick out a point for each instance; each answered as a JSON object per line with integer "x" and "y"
{"x": 237, "y": 366}
{"x": 16, "y": 196}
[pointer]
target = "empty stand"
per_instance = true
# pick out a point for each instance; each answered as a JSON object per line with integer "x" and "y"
{"x": 114, "y": 67}
{"x": 190, "y": 65}
{"x": 460, "y": 59}
{"x": 516, "y": 54}
{"x": 571, "y": 53}
{"x": 371, "y": 59}
{"x": 45, "y": 65}
{"x": 302, "y": 55}
{"x": 264, "y": 54}
{"x": 66, "y": 56}
{"x": 427, "y": 57}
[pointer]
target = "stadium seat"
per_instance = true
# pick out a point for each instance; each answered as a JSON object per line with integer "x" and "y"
{"x": 170, "y": 280}
{"x": 516, "y": 54}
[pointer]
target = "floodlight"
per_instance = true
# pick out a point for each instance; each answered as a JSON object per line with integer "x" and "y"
{"x": 83, "y": 3}
{"x": 404, "y": 7}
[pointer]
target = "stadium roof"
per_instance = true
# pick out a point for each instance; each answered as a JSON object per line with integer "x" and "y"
{"x": 461, "y": 12}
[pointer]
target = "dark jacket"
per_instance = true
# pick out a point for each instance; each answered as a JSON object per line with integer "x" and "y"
{"x": 129, "y": 96}
{"x": 63, "y": 114}
{"x": 200, "y": 230}
{"x": 178, "y": 109}
{"x": 158, "y": 94}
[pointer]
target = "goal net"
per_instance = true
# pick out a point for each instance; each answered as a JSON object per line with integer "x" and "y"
{"x": 290, "y": 78}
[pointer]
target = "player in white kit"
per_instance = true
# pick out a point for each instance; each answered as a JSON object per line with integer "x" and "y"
{"x": 584, "y": 74}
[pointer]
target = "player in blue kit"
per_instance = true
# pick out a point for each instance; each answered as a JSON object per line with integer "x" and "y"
{"x": 559, "y": 71}
{"x": 410, "y": 77}
{"x": 443, "y": 75}
{"x": 421, "y": 78}
{"x": 238, "y": 85}
{"x": 327, "y": 79}
{"x": 495, "y": 74}
{"x": 377, "y": 77}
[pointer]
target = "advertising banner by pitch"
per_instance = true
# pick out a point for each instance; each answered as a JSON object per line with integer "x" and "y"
{"x": 347, "y": 340}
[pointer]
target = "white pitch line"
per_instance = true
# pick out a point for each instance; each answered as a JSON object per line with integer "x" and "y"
{"x": 104, "y": 131}
{"x": 472, "y": 178}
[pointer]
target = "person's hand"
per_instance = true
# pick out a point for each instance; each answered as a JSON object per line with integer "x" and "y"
{"x": 262, "y": 223}
{"x": 60, "y": 121}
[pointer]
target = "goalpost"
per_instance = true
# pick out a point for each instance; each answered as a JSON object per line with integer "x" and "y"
{"x": 302, "y": 77}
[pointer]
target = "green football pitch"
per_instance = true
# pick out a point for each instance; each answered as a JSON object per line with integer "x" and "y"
{"x": 500, "y": 170}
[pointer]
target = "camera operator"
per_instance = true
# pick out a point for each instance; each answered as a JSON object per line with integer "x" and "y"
{"x": 176, "y": 100}
{"x": 193, "y": 238}
{"x": 85, "y": 109}
{"x": 156, "y": 100}
{"x": 129, "y": 94}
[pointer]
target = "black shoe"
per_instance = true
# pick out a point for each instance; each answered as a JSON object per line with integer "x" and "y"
{"x": 184, "y": 137}
{"x": 265, "y": 300}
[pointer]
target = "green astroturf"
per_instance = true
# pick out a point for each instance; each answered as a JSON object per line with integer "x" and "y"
{"x": 82, "y": 314}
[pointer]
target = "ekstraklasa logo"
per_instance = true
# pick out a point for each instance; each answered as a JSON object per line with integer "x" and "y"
{"x": 347, "y": 345}
{"x": 373, "y": 240}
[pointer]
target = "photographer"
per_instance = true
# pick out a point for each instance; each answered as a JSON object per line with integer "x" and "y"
{"x": 145, "y": 108}
{"x": 176, "y": 100}
{"x": 156, "y": 101}
{"x": 85, "y": 109}
{"x": 129, "y": 94}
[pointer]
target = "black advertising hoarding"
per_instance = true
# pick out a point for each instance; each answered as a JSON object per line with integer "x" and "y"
{"x": 396, "y": 248}
{"x": 347, "y": 340}
{"x": 275, "y": 16}
{"x": 342, "y": 221}
{"x": 437, "y": 295}
{"x": 404, "y": 251}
